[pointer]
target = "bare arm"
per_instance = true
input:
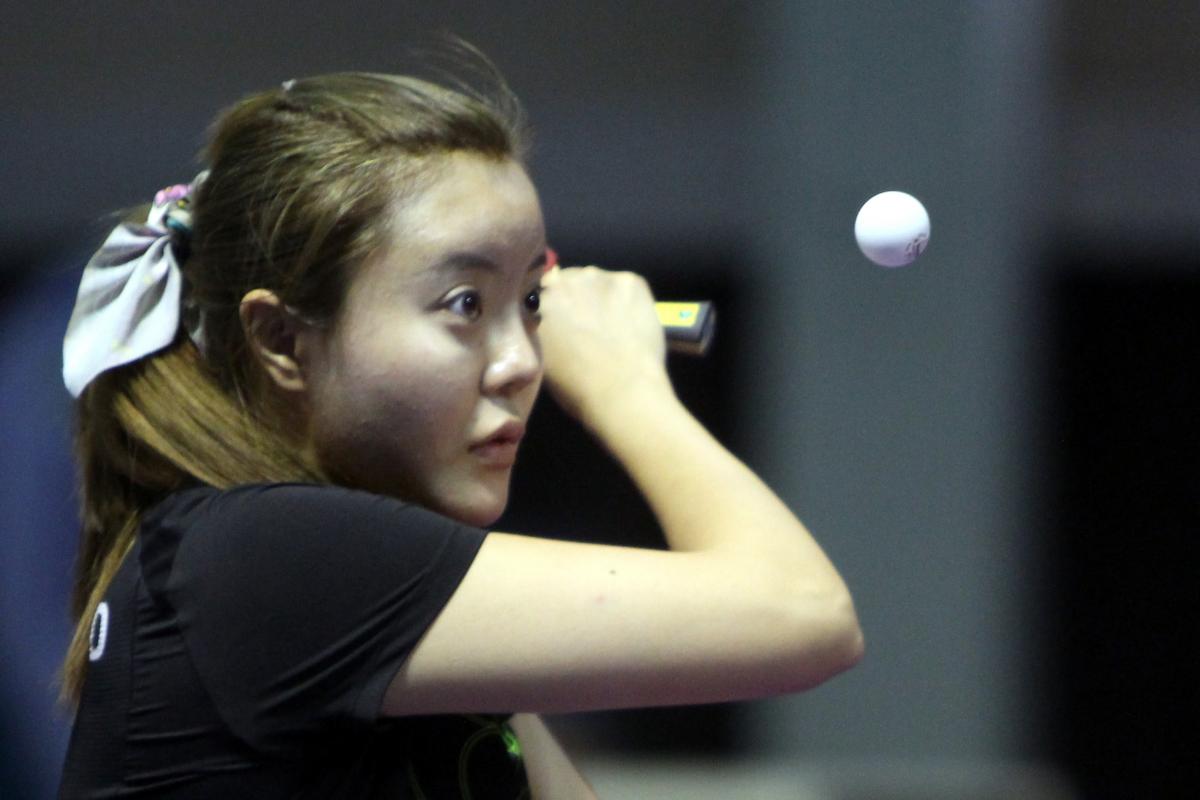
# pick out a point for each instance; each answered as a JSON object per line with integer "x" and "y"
{"x": 552, "y": 775}
{"x": 745, "y": 604}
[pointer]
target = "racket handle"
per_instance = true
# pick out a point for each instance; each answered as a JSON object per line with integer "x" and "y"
{"x": 689, "y": 325}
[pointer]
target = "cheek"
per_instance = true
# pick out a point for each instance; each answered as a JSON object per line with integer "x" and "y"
{"x": 386, "y": 432}
{"x": 421, "y": 394}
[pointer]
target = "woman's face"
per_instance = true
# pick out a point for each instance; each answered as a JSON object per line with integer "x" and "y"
{"x": 422, "y": 388}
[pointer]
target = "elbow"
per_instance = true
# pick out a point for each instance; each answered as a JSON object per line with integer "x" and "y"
{"x": 851, "y": 645}
{"x": 829, "y": 643}
{"x": 844, "y": 638}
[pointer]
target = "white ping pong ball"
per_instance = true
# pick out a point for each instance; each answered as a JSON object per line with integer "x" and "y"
{"x": 892, "y": 229}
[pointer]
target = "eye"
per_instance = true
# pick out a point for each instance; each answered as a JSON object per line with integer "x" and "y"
{"x": 533, "y": 300}
{"x": 466, "y": 304}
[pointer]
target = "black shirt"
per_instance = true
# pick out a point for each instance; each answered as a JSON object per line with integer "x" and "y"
{"x": 245, "y": 645}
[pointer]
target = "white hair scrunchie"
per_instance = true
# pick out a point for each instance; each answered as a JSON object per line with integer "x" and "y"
{"x": 131, "y": 294}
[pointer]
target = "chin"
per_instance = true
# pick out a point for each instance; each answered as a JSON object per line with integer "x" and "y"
{"x": 480, "y": 516}
{"x": 480, "y": 507}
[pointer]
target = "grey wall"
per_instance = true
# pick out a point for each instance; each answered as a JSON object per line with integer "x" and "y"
{"x": 894, "y": 409}
{"x": 894, "y": 418}
{"x": 627, "y": 98}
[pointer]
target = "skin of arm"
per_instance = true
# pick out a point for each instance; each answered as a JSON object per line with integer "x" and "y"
{"x": 745, "y": 604}
{"x": 552, "y": 775}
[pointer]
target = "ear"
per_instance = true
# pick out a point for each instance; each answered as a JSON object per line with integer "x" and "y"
{"x": 272, "y": 333}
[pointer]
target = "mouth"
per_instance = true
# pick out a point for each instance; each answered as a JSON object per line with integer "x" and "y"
{"x": 500, "y": 449}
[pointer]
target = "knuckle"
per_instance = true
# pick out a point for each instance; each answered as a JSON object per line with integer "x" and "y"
{"x": 631, "y": 280}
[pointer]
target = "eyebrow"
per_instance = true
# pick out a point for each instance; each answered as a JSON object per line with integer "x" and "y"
{"x": 466, "y": 259}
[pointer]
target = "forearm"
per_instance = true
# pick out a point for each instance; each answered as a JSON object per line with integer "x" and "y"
{"x": 605, "y": 363}
{"x": 704, "y": 497}
{"x": 708, "y": 502}
{"x": 552, "y": 775}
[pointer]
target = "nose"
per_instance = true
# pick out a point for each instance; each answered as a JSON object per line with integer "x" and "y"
{"x": 514, "y": 357}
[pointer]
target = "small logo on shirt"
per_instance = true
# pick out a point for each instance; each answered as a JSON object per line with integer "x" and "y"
{"x": 99, "y": 633}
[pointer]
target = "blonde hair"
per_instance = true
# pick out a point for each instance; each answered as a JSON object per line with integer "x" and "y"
{"x": 300, "y": 181}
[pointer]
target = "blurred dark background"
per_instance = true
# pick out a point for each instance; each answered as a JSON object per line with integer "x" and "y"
{"x": 997, "y": 445}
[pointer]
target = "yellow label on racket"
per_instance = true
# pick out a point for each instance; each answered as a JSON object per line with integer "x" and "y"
{"x": 677, "y": 315}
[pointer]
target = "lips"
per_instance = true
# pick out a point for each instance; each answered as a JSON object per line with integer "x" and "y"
{"x": 500, "y": 449}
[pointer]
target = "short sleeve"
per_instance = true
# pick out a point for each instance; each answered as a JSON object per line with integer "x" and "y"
{"x": 298, "y": 603}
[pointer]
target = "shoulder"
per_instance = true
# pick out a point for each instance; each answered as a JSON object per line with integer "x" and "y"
{"x": 270, "y": 502}
{"x": 245, "y": 528}
{"x": 272, "y": 510}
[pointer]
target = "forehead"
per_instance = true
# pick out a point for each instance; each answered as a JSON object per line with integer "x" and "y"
{"x": 468, "y": 201}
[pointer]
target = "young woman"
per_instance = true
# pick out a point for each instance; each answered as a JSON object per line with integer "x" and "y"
{"x": 302, "y": 383}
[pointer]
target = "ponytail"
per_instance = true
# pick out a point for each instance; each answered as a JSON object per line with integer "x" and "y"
{"x": 142, "y": 431}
